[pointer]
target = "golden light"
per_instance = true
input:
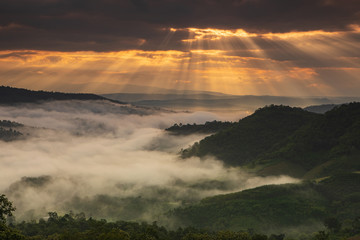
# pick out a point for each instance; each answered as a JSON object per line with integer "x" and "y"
{"x": 229, "y": 61}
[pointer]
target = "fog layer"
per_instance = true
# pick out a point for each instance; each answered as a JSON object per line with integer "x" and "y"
{"x": 109, "y": 162}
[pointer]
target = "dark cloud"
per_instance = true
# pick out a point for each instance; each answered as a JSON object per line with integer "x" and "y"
{"x": 69, "y": 25}
{"x": 19, "y": 55}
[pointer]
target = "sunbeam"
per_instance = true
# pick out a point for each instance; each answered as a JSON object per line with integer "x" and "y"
{"x": 229, "y": 61}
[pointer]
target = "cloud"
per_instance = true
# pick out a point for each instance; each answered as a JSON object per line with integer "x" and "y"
{"x": 92, "y": 157}
{"x": 68, "y": 25}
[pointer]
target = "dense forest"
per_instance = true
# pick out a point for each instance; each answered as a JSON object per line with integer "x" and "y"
{"x": 284, "y": 140}
{"x": 77, "y": 227}
{"x": 286, "y": 206}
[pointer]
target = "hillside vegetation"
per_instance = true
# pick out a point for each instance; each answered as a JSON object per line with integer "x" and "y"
{"x": 272, "y": 207}
{"x": 284, "y": 140}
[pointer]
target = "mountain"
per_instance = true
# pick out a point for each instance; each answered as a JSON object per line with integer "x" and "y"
{"x": 10, "y": 95}
{"x": 214, "y": 101}
{"x": 284, "y": 140}
{"x": 330, "y": 144}
{"x": 320, "y": 108}
{"x": 252, "y": 136}
{"x": 278, "y": 207}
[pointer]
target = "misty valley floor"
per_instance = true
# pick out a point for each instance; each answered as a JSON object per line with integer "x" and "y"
{"x": 108, "y": 163}
{"x": 108, "y": 160}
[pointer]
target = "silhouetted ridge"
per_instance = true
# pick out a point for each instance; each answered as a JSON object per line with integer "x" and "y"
{"x": 10, "y": 95}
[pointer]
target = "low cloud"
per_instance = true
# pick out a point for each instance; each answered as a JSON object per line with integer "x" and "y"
{"x": 94, "y": 158}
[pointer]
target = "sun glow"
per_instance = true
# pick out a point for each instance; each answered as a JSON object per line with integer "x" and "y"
{"x": 216, "y": 34}
{"x": 230, "y": 61}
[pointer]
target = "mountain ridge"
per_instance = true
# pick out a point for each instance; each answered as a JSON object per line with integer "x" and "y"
{"x": 11, "y": 95}
{"x": 311, "y": 145}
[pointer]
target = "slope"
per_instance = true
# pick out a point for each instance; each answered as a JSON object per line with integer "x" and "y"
{"x": 277, "y": 206}
{"x": 329, "y": 145}
{"x": 283, "y": 140}
{"x": 252, "y": 136}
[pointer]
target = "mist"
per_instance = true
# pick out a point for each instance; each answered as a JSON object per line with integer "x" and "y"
{"x": 109, "y": 161}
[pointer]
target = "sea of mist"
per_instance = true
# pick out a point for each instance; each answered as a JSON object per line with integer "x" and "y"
{"x": 109, "y": 161}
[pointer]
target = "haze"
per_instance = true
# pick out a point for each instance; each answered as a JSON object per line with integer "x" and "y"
{"x": 79, "y": 155}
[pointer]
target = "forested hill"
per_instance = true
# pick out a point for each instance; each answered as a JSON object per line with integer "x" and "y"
{"x": 284, "y": 140}
{"x": 303, "y": 206}
{"x": 252, "y": 136}
{"x": 10, "y": 95}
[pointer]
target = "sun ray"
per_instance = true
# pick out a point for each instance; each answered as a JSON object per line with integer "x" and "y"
{"x": 230, "y": 61}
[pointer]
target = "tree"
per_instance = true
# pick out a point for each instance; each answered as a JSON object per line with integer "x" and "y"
{"x": 277, "y": 237}
{"x": 115, "y": 234}
{"x": 332, "y": 224}
{"x": 6, "y": 208}
{"x": 356, "y": 225}
{"x": 322, "y": 236}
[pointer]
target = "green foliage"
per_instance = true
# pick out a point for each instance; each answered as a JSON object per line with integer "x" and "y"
{"x": 332, "y": 224}
{"x": 284, "y": 140}
{"x": 260, "y": 208}
{"x": 72, "y": 227}
{"x": 322, "y": 236}
{"x": 6, "y": 208}
{"x": 115, "y": 234}
{"x": 254, "y": 135}
{"x": 329, "y": 145}
{"x": 278, "y": 206}
{"x": 7, "y": 233}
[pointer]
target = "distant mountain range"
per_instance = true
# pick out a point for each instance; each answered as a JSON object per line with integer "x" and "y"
{"x": 190, "y": 100}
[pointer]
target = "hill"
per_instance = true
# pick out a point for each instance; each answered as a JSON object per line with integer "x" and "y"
{"x": 320, "y": 108}
{"x": 8, "y": 130}
{"x": 328, "y": 145}
{"x": 10, "y": 95}
{"x": 213, "y": 101}
{"x": 253, "y": 135}
{"x": 208, "y": 127}
{"x": 284, "y": 140}
{"x": 275, "y": 207}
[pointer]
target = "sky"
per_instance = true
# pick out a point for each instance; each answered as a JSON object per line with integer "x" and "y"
{"x": 244, "y": 47}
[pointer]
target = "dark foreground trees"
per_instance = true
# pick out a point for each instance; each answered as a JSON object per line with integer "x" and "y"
{"x": 77, "y": 227}
{"x": 6, "y": 208}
